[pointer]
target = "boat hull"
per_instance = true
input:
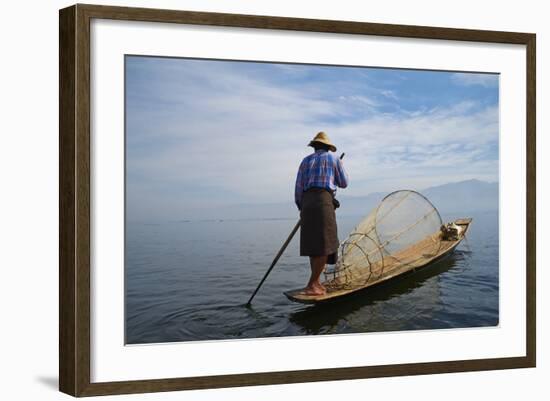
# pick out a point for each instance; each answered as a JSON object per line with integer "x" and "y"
{"x": 447, "y": 248}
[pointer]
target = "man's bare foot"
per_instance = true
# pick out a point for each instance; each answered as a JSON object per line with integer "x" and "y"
{"x": 319, "y": 286}
{"x": 314, "y": 290}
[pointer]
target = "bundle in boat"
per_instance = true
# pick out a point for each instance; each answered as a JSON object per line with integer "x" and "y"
{"x": 403, "y": 233}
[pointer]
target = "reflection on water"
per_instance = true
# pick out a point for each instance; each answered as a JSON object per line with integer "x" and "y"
{"x": 318, "y": 318}
{"x": 190, "y": 280}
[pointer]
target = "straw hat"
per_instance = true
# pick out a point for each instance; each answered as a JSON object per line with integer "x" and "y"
{"x": 323, "y": 138}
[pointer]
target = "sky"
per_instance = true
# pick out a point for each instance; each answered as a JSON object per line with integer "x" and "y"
{"x": 204, "y": 134}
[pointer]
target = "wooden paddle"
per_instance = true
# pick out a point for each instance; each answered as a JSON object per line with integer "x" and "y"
{"x": 278, "y": 255}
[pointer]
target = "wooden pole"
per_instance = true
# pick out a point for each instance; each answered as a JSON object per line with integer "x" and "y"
{"x": 275, "y": 260}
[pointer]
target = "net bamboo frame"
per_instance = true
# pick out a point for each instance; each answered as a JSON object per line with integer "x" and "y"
{"x": 403, "y": 227}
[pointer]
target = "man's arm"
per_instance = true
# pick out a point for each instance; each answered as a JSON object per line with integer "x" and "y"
{"x": 299, "y": 187}
{"x": 341, "y": 178}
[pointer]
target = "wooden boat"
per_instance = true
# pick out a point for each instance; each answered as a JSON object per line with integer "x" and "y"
{"x": 391, "y": 267}
{"x": 402, "y": 234}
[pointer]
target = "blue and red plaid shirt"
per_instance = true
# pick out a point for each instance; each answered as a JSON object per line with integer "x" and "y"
{"x": 321, "y": 169}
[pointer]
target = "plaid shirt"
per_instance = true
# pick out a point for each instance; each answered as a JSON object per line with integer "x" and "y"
{"x": 321, "y": 169}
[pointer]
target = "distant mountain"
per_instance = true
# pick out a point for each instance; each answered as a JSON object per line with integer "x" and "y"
{"x": 464, "y": 196}
{"x": 456, "y": 197}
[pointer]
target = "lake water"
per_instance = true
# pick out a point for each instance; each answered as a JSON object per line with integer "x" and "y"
{"x": 187, "y": 281}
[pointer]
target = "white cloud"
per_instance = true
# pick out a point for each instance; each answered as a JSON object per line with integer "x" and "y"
{"x": 389, "y": 94}
{"x": 469, "y": 79}
{"x": 206, "y": 136}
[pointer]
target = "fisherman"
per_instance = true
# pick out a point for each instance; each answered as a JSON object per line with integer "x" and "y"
{"x": 318, "y": 176}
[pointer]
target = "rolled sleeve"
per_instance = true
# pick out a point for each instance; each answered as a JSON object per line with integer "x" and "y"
{"x": 341, "y": 176}
{"x": 299, "y": 188}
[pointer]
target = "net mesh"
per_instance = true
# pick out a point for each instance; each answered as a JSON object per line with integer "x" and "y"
{"x": 405, "y": 226}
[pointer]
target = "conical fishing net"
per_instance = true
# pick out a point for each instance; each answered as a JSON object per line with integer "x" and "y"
{"x": 401, "y": 230}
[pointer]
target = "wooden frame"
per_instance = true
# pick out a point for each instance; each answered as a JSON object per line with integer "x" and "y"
{"x": 74, "y": 199}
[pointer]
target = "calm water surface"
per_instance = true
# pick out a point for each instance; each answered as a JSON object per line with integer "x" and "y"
{"x": 189, "y": 281}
